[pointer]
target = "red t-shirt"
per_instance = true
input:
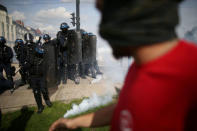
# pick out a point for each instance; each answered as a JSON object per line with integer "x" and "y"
{"x": 159, "y": 95}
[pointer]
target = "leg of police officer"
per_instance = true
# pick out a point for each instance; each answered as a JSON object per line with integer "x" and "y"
{"x": 96, "y": 67}
{"x": 92, "y": 70}
{"x": 76, "y": 74}
{"x": 82, "y": 70}
{"x": 35, "y": 85}
{"x": 23, "y": 76}
{"x": 58, "y": 71}
{"x": 62, "y": 72}
{"x": 65, "y": 68}
{"x": 4, "y": 84}
{"x": 72, "y": 71}
{"x": 44, "y": 91}
{"x": 65, "y": 73}
{"x": 8, "y": 71}
{"x": 86, "y": 68}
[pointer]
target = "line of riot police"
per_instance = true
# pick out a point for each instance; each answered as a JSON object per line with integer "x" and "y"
{"x": 69, "y": 56}
{"x": 76, "y": 54}
{"x": 31, "y": 57}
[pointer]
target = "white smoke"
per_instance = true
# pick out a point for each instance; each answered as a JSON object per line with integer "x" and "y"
{"x": 191, "y": 35}
{"x": 88, "y": 104}
{"x": 97, "y": 80}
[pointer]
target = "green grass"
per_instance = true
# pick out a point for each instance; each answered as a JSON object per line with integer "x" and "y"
{"x": 28, "y": 120}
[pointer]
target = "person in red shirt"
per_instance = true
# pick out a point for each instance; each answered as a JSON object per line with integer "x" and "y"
{"x": 159, "y": 93}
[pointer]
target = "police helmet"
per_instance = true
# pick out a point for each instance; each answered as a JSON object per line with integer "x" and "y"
{"x": 64, "y": 26}
{"x": 91, "y": 34}
{"x": 19, "y": 41}
{"x": 39, "y": 51}
{"x": 46, "y": 37}
{"x": 85, "y": 33}
{"x": 28, "y": 37}
{"x": 2, "y": 40}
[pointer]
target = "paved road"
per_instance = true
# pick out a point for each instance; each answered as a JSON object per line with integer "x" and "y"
{"x": 66, "y": 93}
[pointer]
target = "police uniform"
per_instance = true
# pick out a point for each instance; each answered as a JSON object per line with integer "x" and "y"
{"x": 21, "y": 54}
{"x": 6, "y": 56}
{"x": 50, "y": 61}
{"x": 62, "y": 38}
{"x": 37, "y": 66}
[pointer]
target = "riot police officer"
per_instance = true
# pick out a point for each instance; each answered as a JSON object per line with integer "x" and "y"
{"x": 6, "y": 56}
{"x": 86, "y": 56}
{"x": 93, "y": 41}
{"x": 29, "y": 46}
{"x": 50, "y": 60}
{"x": 62, "y": 41}
{"x": 89, "y": 42}
{"x": 21, "y": 53}
{"x": 4, "y": 84}
{"x": 74, "y": 48}
{"x": 89, "y": 53}
{"x": 36, "y": 67}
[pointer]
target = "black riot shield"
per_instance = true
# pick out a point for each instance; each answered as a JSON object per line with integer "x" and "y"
{"x": 51, "y": 63}
{"x": 89, "y": 50}
{"x": 93, "y": 42}
{"x": 85, "y": 49}
{"x": 74, "y": 47}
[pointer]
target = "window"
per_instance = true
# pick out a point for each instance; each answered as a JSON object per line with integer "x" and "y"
{"x": 8, "y": 32}
{"x": 7, "y": 20}
{"x": 3, "y": 29}
{"x": 12, "y": 32}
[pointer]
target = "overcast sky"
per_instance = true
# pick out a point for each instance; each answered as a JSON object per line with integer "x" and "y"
{"x": 49, "y": 14}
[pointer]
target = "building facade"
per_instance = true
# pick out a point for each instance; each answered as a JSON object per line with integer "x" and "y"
{"x": 13, "y": 30}
{"x": 21, "y": 30}
{"x": 7, "y": 28}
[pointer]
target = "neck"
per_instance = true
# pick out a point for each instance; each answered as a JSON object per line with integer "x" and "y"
{"x": 146, "y": 54}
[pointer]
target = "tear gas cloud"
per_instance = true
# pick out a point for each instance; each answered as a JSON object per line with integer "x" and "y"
{"x": 114, "y": 70}
{"x": 88, "y": 104}
{"x": 191, "y": 35}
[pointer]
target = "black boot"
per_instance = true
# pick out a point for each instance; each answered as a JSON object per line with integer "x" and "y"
{"x": 23, "y": 78}
{"x": 38, "y": 98}
{"x": 76, "y": 76}
{"x": 40, "y": 109}
{"x": 10, "y": 79}
{"x": 48, "y": 103}
{"x": 46, "y": 96}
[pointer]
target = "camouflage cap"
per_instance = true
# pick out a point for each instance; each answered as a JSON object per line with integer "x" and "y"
{"x": 139, "y": 22}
